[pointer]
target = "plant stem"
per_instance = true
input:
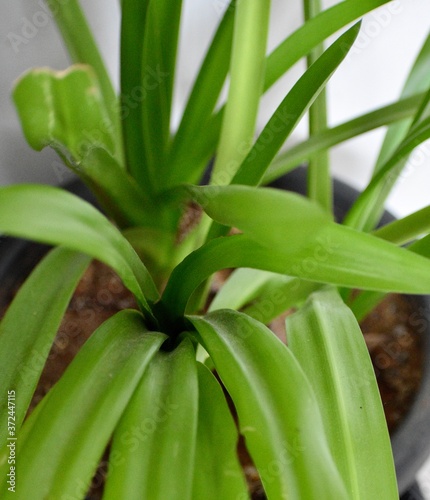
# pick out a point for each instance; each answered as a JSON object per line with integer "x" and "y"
{"x": 319, "y": 183}
{"x": 247, "y": 76}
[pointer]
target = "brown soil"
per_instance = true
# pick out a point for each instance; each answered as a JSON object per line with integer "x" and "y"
{"x": 392, "y": 333}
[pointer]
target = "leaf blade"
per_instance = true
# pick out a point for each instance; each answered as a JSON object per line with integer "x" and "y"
{"x": 22, "y": 356}
{"x": 83, "y": 408}
{"x": 160, "y": 421}
{"x": 328, "y": 343}
{"x": 249, "y": 360}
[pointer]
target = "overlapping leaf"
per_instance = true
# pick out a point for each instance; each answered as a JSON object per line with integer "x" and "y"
{"x": 59, "y": 446}
{"x": 278, "y": 415}
{"x": 326, "y": 340}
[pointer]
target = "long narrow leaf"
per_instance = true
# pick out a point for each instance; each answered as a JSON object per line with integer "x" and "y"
{"x": 290, "y": 51}
{"x": 405, "y": 230}
{"x": 52, "y": 215}
{"x": 301, "y": 152}
{"x": 156, "y": 437}
{"x": 325, "y": 338}
{"x": 25, "y": 344}
{"x": 418, "y": 81}
{"x": 366, "y": 210}
{"x": 59, "y": 452}
{"x": 306, "y": 244}
{"x": 292, "y": 108}
{"x": 158, "y": 74}
{"x": 201, "y": 103}
{"x": 247, "y": 67}
{"x": 133, "y": 18}
{"x": 217, "y": 472}
{"x": 278, "y": 413}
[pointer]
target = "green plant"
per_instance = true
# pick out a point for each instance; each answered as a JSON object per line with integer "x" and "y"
{"x": 310, "y": 412}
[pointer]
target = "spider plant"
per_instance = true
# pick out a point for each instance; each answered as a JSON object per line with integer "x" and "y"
{"x": 143, "y": 385}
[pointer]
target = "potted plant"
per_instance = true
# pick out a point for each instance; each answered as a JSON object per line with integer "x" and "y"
{"x": 143, "y": 388}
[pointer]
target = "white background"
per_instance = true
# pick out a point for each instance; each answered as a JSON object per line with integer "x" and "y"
{"x": 372, "y": 76}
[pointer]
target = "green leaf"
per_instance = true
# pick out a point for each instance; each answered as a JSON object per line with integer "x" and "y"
{"x": 60, "y": 445}
{"x": 319, "y": 181}
{"x": 279, "y": 296}
{"x": 367, "y": 209}
{"x": 117, "y": 192}
{"x": 52, "y": 215}
{"x": 83, "y": 50}
{"x": 155, "y": 440}
{"x": 314, "y": 32}
{"x": 418, "y": 81}
{"x": 158, "y": 74}
{"x": 201, "y": 104}
{"x": 290, "y": 51}
{"x": 278, "y": 413}
{"x": 247, "y": 67}
{"x": 300, "y": 153}
{"x": 325, "y": 338}
{"x": 292, "y": 108}
{"x": 133, "y": 18}
{"x": 24, "y": 343}
{"x": 286, "y": 233}
{"x": 243, "y": 286}
{"x": 408, "y": 228}
{"x": 217, "y": 471}
{"x": 46, "y": 102}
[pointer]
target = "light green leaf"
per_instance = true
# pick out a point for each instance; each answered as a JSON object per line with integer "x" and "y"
{"x": 217, "y": 471}
{"x": 367, "y": 209}
{"x": 155, "y": 440}
{"x": 46, "y": 102}
{"x": 301, "y": 152}
{"x": 278, "y": 412}
{"x": 292, "y": 108}
{"x": 83, "y": 50}
{"x": 305, "y": 244}
{"x": 325, "y": 338}
{"x": 418, "y": 81}
{"x": 247, "y": 66}
{"x": 59, "y": 446}
{"x": 51, "y": 215}
{"x": 24, "y": 343}
{"x": 243, "y": 286}
{"x": 314, "y": 32}
{"x": 201, "y": 104}
{"x": 406, "y": 229}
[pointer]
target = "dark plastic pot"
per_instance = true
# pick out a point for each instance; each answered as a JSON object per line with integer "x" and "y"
{"x": 411, "y": 440}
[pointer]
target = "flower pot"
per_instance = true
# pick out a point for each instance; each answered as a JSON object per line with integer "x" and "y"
{"x": 410, "y": 445}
